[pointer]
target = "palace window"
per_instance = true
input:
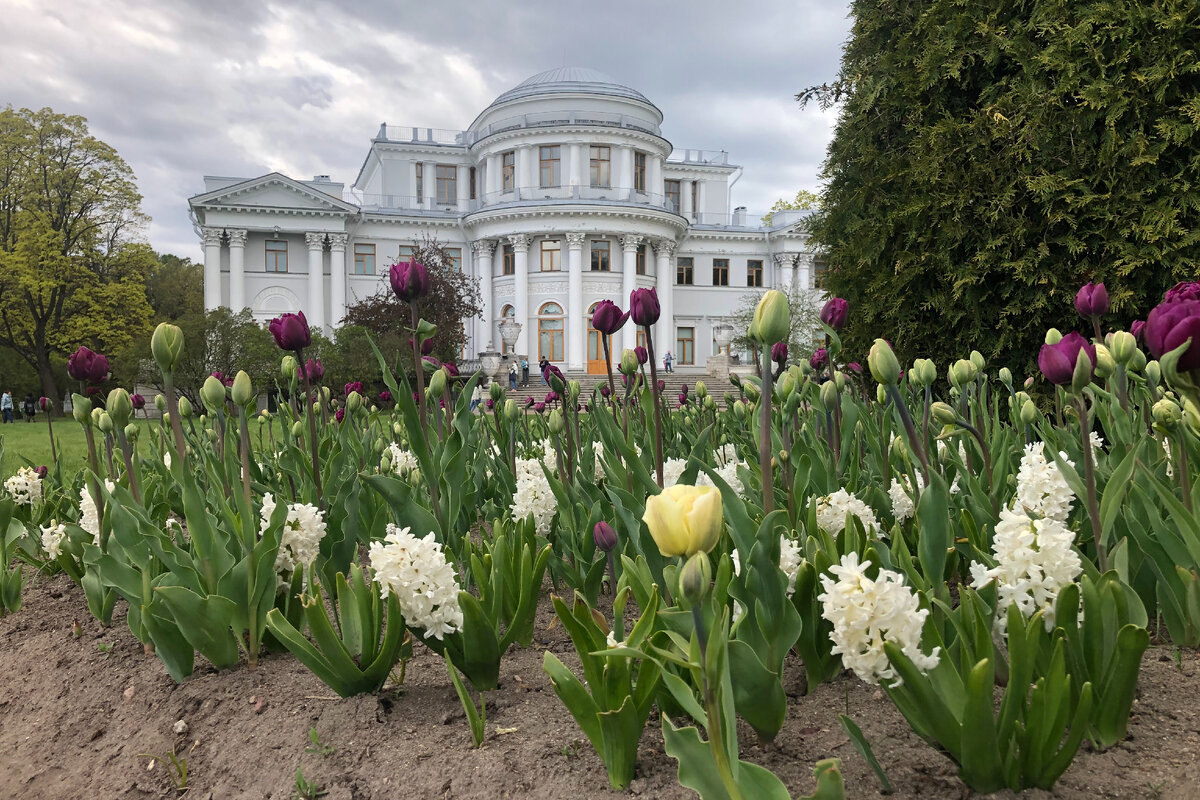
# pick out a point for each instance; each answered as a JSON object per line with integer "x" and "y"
{"x": 364, "y": 259}
{"x": 510, "y": 260}
{"x": 420, "y": 187}
{"x": 720, "y": 272}
{"x": 684, "y": 275}
{"x": 696, "y": 199}
{"x": 639, "y": 172}
{"x": 455, "y": 255}
{"x": 508, "y": 169}
{"x": 548, "y": 156}
{"x": 550, "y": 332}
{"x": 685, "y": 346}
{"x": 551, "y": 252}
{"x": 471, "y": 176}
{"x": 600, "y": 257}
{"x": 641, "y": 261}
{"x": 447, "y": 183}
{"x": 672, "y": 190}
{"x": 754, "y": 273}
{"x": 601, "y": 166}
{"x": 276, "y": 255}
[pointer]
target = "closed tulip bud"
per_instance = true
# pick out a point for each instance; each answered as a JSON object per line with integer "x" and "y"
{"x": 354, "y": 402}
{"x": 297, "y": 429}
{"x": 882, "y": 361}
{"x": 752, "y": 392}
{"x": 160, "y": 402}
{"x": 961, "y": 373}
{"x": 325, "y": 393}
{"x": 629, "y": 362}
{"x": 701, "y": 390}
{"x": 977, "y": 359}
{"x": 288, "y": 366}
{"x": 784, "y": 457}
{"x": 1105, "y": 363}
{"x": 166, "y": 345}
{"x": 385, "y": 463}
{"x": 262, "y": 420}
{"x": 185, "y": 408}
{"x": 203, "y": 420}
{"x": 829, "y": 396}
{"x": 943, "y": 413}
{"x": 103, "y": 421}
{"x": 928, "y": 372}
{"x": 785, "y": 387}
{"x": 397, "y": 429}
{"x": 210, "y": 434}
{"x": 1191, "y": 415}
{"x": 900, "y": 448}
{"x": 772, "y": 318}
{"x": 437, "y": 384}
{"x": 708, "y": 403}
{"x": 212, "y": 394}
{"x": 1053, "y": 336}
{"x": 1029, "y": 413}
{"x": 1081, "y": 378}
{"x": 1153, "y": 373}
{"x": 881, "y": 395}
{"x": 1122, "y": 345}
{"x": 511, "y": 412}
{"x": 131, "y": 432}
{"x": 242, "y": 391}
{"x": 695, "y": 579}
{"x": 496, "y": 391}
{"x": 604, "y": 536}
{"x": 1167, "y": 414}
{"x": 120, "y": 407}
{"x": 1028, "y": 382}
{"x": 1005, "y": 376}
{"x": 739, "y": 409}
{"x": 555, "y": 421}
{"x": 839, "y": 379}
{"x": 380, "y": 445}
{"x": 81, "y": 409}
{"x": 1137, "y": 362}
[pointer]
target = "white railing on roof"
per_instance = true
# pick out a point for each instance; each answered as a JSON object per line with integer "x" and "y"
{"x": 546, "y": 119}
{"x": 415, "y": 135}
{"x": 699, "y": 157}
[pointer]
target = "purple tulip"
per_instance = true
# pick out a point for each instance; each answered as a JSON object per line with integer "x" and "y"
{"x": 551, "y": 397}
{"x": 552, "y": 372}
{"x": 1092, "y": 300}
{"x": 410, "y": 280}
{"x": 539, "y": 407}
{"x": 1184, "y": 290}
{"x": 662, "y": 386}
{"x": 1057, "y": 361}
{"x": 834, "y": 313}
{"x": 353, "y": 386}
{"x": 1137, "y": 328}
{"x": 340, "y": 414}
{"x": 385, "y": 396}
{"x": 528, "y": 402}
{"x": 683, "y": 398}
{"x": 91, "y": 391}
{"x": 490, "y": 404}
{"x": 88, "y": 366}
{"x": 291, "y": 332}
{"x": 642, "y": 355}
{"x": 42, "y": 472}
{"x": 604, "y": 390}
{"x": 426, "y": 346}
{"x": 819, "y": 359}
{"x": 643, "y": 307}
{"x": 779, "y": 353}
{"x": 683, "y": 389}
{"x": 854, "y": 367}
{"x": 451, "y": 370}
{"x": 608, "y": 317}
{"x": 314, "y": 369}
{"x": 604, "y": 536}
{"x": 43, "y": 403}
{"x": 1170, "y": 325}
{"x": 138, "y": 401}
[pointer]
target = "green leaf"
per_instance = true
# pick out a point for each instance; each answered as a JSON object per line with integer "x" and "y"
{"x": 864, "y": 749}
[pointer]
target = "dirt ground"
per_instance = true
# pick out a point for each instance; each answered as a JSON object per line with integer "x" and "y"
{"x": 78, "y": 715}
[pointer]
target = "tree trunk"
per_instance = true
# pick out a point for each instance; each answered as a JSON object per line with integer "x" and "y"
{"x": 46, "y": 375}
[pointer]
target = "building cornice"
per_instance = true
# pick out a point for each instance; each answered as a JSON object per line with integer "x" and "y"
{"x": 522, "y": 213}
{"x": 631, "y": 134}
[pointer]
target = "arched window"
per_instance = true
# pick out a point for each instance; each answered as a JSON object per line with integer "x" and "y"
{"x": 550, "y": 332}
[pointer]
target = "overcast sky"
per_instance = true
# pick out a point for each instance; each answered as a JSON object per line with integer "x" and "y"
{"x": 187, "y": 88}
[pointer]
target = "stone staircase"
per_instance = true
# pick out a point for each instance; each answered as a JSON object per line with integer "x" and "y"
{"x": 588, "y": 383}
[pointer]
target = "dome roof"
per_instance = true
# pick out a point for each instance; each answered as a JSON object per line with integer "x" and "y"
{"x": 570, "y": 79}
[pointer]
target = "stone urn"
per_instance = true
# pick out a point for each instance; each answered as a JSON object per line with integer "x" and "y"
{"x": 490, "y": 362}
{"x": 723, "y": 336}
{"x": 510, "y": 329}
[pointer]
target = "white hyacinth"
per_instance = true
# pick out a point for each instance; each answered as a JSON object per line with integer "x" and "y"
{"x": 533, "y": 497}
{"x": 404, "y": 463}
{"x": 1041, "y": 488}
{"x": 902, "y": 504}
{"x": 417, "y": 573}
{"x": 1034, "y": 561}
{"x": 726, "y": 454}
{"x": 832, "y": 510}
{"x": 867, "y": 613}
{"x": 728, "y": 470}
{"x": 89, "y": 516}
{"x": 25, "y": 488}
{"x": 300, "y": 541}
{"x": 52, "y": 539}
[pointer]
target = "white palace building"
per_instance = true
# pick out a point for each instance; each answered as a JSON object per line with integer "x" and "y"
{"x": 563, "y": 192}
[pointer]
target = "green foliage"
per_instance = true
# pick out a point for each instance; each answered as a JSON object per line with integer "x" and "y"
{"x": 804, "y": 200}
{"x": 990, "y": 160}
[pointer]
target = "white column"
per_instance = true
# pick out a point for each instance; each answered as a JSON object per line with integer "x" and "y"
{"x": 463, "y": 184}
{"x": 338, "y": 267}
{"x": 629, "y": 245}
{"x": 623, "y": 179}
{"x": 784, "y": 273}
{"x": 520, "y": 246}
{"x": 806, "y": 267}
{"x": 429, "y": 178}
{"x": 654, "y": 178}
{"x": 315, "y": 312}
{"x": 576, "y": 313}
{"x": 702, "y": 202}
{"x": 685, "y": 199}
{"x": 492, "y": 177}
{"x": 523, "y": 178}
{"x": 664, "y": 336}
{"x": 237, "y": 270}
{"x": 482, "y": 250}
{"x": 575, "y": 166}
{"x": 212, "y": 268}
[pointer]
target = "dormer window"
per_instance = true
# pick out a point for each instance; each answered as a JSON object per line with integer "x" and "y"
{"x": 601, "y": 167}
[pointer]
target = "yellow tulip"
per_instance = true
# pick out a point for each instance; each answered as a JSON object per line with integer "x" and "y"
{"x": 685, "y": 520}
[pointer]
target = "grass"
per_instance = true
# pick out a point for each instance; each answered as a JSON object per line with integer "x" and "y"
{"x": 30, "y": 440}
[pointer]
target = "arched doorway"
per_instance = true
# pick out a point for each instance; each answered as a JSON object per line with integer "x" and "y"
{"x": 595, "y": 347}
{"x": 551, "y": 326}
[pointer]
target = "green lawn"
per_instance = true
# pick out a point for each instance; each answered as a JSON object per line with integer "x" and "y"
{"x": 30, "y": 440}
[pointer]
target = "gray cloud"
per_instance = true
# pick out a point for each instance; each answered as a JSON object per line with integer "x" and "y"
{"x": 195, "y": 87}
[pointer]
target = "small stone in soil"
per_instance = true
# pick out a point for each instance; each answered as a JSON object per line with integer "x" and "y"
{"x": 128, "y": 693}
{"x": 180, "y": 727}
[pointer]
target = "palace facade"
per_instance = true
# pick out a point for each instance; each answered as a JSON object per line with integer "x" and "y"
{"x": 563, "y": 192}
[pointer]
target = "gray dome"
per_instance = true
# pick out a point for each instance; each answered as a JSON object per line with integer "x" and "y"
{"x": 570, "y": 79}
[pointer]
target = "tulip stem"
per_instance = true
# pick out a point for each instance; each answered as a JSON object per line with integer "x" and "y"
{"x": 418, "y": 366}
{"x": 910, "y": 429}
{"x": 312, "y": 431}
{"x": 764, "y": 437}
{"x": 1089, "y": 476}
{"x": 176, "y": 422}
{"x": 50, "y": 428}
{"x": 1181, "y": 461}
{"x": 654, "y": 394}
{"x": 127, "y": 453}
{"x": 716, "y": 724}
{"x": 987, "y": 461}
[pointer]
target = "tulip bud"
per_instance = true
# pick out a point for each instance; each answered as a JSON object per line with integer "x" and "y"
{"x": 166, "y": 345}
{"x": 185, "y": 408}
{"x": 882, "y": 361}
{"x": 881, "y": 395}
{"x": 1029, "y": 413}
{"x": 1105, "y": 363}
{"x": 212, "y": 393}
{"x": 943, "y": 413}
{"x": 900, "y": 447}
{"x": 397, "y": 429}
{"x": 1153, "y": 373}
{"x": 131, "y": 432}
{"x": 752, "y": 392}
{"x": 785, "y": 386}
{"x": 604, "y": 536}
{"x": 739, "y": 409}
{"x": 242, "y": 391}
{"x": 1081, "y": 378}
{"x": 120, "y": 407}
{"x": 437, "y": 384}
{"x": 1005, "y": 376}
{"x": 160, "y": 402}
{"x": 1122, "y": 345}
{"x": 1028, "y": 382}
{"x": 102, "y": 420}
{"x": 708, "y": 403}
{"x": 573, "y": 389}
{"x": 701, "y": 390}
{"x": 629, "y": 362}
{"x": 695, "y": 579}
{"x": 81, "y": 409}
{"x": 961, "y": 373}
{"x": 297, "y": 429}
{"x": 511, "y": 412}
{"x": 977, "y": 361}
{"x": 354, "y": 402}
{"x": 1167, "y": 414}
{"x": 288, "y": 367}
{"x": 829, "y": 396}
{"x": 1137, "y": 362}
{"x": 555, "y": 421}
{"x": 385, "y": 463}
{"x": 772, "y": 318}
{"x": 1053, "y": 336}
{"x": 210, "y": 434}
{"x": 496, "y": 391}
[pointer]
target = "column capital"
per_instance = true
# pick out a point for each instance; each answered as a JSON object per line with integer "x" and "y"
{"x": 631, "y": 241}
{"x": 784, "y": 259}
{"x": 337, "y": 241}
{"x": 519, "y": 241}
{"x": 576, "y": 239}
{"x": 212, "y": 236}
{"x": 805, "y": 259}
{"x": 664, "y": 247}
{"x": 483, "y": 247}
{"x": 315, "y": 241}
{"x": 237, "y": 238}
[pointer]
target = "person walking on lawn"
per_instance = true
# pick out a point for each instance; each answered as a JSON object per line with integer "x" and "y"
{"x": 6, "y": 406}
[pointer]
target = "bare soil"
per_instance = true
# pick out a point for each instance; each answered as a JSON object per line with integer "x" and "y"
{"x": 76, "y": 719}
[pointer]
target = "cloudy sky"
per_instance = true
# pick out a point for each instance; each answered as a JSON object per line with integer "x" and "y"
{"x": 186, "y": 88}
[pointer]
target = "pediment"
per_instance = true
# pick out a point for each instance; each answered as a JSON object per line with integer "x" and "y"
{"x": 273, "y": 191}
